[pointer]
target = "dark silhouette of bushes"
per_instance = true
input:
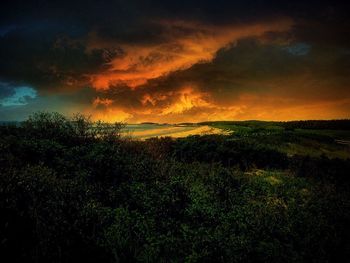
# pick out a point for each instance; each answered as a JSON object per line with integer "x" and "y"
{"x": 317, "y": 124}
{"x": 75, "y": 191}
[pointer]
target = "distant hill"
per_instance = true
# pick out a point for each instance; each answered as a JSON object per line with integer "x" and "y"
{"x": 152, "y": 123}
{"x": 305, "y": 124}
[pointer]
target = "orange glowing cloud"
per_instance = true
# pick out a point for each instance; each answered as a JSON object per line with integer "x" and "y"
{"x": 138, "y": 86}
{"x": 177, "y": 51}
{"x": 105, "y": 102}
{"x": 188, "y": 98}
{"x": 191, "y": 105}
{"x": 107, "y": 113}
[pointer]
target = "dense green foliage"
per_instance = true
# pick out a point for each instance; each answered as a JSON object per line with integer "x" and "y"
{"x": 75, "y": 191}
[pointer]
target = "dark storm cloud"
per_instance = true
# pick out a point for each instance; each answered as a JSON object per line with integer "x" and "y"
{"x": 46, "y": 57}
{"x": 113, "y": 10}
{"x": 125, "y": 19}
{"x": 30, "y": 29}
{"x": 64, "y": 48}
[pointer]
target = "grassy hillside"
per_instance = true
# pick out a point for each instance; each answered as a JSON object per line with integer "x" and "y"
{"x": 145, "y": 131}
{"x": 308, "y": 138}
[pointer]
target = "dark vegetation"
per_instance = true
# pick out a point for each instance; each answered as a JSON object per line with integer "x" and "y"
{"x": 311, "y": 124}
{"x": 75, "y": 191}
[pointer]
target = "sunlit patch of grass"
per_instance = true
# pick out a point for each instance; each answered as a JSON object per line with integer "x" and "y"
{"x": 273, "y": 180}
{"x": 170, "y": 130}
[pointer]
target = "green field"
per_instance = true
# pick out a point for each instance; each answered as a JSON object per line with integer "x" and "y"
{"x": 333, "y": 143}
{"x": 308, "y": 142}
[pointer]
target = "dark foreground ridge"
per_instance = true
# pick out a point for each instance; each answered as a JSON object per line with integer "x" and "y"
{"x": 75, "y": 191}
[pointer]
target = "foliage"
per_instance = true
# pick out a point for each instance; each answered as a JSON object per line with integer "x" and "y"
{"x": 75, "y": 191}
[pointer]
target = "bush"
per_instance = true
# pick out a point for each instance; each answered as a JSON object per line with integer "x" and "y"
{"x": 72, "y": 190}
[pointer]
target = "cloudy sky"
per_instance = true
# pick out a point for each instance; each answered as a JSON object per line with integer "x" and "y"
{"x": 175, "y": 61}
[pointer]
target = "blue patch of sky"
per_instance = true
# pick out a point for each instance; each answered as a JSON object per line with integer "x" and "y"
{"x": 298, "y": 49}
{"x": 20, "y": 96}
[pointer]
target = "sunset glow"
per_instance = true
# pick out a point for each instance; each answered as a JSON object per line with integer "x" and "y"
{"x": 148, "y": 64}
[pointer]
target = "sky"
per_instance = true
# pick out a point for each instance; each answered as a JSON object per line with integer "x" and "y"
{"x": 175, "y": 61}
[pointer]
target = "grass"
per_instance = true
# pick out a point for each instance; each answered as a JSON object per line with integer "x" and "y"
{"x": 145, "y": 131}
{"x": 306, "y": 142}
{"x": 309, "y": 142}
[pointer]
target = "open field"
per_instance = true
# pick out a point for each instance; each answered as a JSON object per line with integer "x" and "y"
{"x": 145, "y": 131}
{"x": 332, "y": 142}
